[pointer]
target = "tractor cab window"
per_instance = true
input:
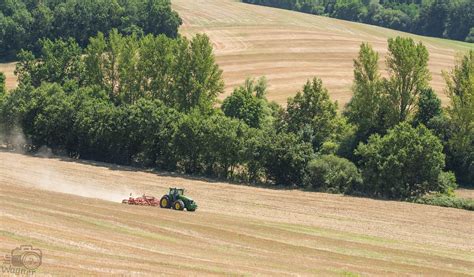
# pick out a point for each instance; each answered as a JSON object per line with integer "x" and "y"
{"x": 177, "y": 191}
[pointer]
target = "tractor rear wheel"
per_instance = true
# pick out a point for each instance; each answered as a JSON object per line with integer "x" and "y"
{"x": 165, "y": 202}
{"x": 178, "y": 205}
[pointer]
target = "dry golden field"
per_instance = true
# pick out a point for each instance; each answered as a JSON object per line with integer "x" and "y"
{"x": 71, "y": 210}
{"x": 289, "y": 47}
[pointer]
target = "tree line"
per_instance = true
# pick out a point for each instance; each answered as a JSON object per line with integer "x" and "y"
{"x": 24, "y": 22}
{"x": 436, "y": 18}
{"x": 151, "y": 101}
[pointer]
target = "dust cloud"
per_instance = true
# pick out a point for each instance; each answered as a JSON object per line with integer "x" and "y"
{"x": 15, "y": 140}
{"x": 49, "y": 178}
{"x": 53, "y": 180}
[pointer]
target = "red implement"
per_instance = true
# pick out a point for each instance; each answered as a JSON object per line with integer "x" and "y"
{"x": 144, "y": 200}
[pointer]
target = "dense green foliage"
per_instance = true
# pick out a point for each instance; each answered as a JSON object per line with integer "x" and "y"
{"x": 179, "y": 72}
{"x": 367, "y": 108}
{"x": 407, "y": 64}
{"x": 312, "y": 111}
{"x": 437, "y": 18}
{"x": 209, "y": 144}
{"x": 24, "y": 22}
{"x": 151, "y": 101}
{"x": 148, "y": 101}
{"x": 285, "y": 158}
{"x": 248, "y": 104}
{"x": 313, "y": 116}
{"x": 443, "y": 200}
{"x": 404, "y": 163}
{"x": 428, "y": 107}
{"x": 380, "y": 103}
{"x": 332, "y": 174}
{"x": 460, "y": 90}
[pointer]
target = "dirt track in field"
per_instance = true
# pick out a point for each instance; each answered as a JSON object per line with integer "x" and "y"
{"x": 289, "y": 47}
{"x": 236, "y": 230}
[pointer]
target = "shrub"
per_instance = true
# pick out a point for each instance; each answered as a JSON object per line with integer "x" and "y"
{"x": 406, "y": 162}
{"x": 50, "y": 117}
{"x": 253, "y": 152}
{"x": 332, "y": 174}
{"x": 209, "y": 144}
{"x": 312, "y": 111}
{"x": 99, "y": 128}
{"x": 151, "y": 127}
{"x": 248, "y": 103}
{"x": 447, "y": 183}
{"x": 428, "y": 107}
{"x": 446, "y": 201}
{"x": 285, "y": 158}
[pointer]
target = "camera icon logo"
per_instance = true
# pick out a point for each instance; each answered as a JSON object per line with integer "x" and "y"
{"x": 26, "y": 256}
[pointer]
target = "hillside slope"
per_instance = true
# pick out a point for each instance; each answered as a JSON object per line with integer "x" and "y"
{"x": 237, "y": 230}
{"x": 290, "y": 47}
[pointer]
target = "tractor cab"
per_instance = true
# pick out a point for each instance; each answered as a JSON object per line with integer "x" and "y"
{"x": 176, "y": 191}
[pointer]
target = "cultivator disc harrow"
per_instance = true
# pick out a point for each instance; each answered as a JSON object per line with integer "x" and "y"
{"x": 145, "y": 200}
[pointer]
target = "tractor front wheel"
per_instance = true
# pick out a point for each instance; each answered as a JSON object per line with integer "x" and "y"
{"x": 178, "y": 205}
{"x": 165, "y": 202}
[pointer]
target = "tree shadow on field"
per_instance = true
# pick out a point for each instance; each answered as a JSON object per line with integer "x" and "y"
{"x": 164, "y": 173}
{"x": 157, "y": 172}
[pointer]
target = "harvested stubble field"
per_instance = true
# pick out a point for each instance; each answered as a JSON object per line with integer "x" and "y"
{"x": 290, "y": 47}
{"x": 71, "y": 210}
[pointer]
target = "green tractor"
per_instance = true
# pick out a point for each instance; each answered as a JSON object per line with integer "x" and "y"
{"x": 176, "y": 200}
